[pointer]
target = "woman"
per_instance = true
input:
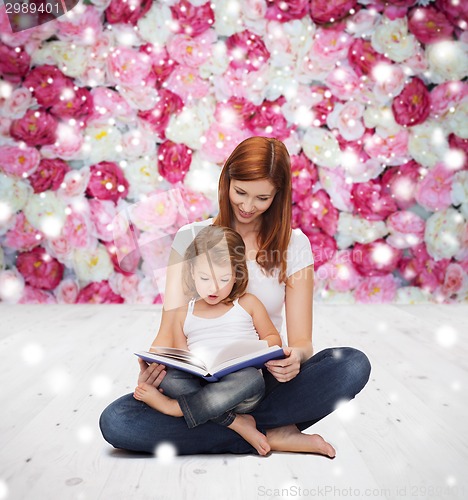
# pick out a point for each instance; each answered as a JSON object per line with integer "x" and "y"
{"x": 254, "y": 200}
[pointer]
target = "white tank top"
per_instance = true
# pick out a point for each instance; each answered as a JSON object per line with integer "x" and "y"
{"x": 214, "y": 333}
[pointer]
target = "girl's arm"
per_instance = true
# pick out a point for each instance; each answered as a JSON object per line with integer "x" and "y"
{"x": 265, "y": 328}
{"x": 299, "y": 297}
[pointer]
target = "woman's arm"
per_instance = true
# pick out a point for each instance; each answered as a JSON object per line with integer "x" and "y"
{"x": 265, "y": 328}
{"x": 299, "y": 297}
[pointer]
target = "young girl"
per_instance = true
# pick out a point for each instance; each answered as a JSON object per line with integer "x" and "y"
{"x": 215, "y": 271}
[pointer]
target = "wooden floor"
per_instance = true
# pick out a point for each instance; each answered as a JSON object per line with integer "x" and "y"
{"x": 404, "y": 436}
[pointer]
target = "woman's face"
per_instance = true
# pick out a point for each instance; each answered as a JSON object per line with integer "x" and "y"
{"x": 250, "y": 199}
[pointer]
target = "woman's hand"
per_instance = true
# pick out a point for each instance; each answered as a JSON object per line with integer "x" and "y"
{"x": 152, "y": 374}
{"x": 285, "y": 369}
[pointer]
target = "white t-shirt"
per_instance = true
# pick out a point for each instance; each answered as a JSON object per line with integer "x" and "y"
{"x": 266, "y": 288}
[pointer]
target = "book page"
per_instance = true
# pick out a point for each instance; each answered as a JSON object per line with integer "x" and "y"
{"x": 237, "y": 349}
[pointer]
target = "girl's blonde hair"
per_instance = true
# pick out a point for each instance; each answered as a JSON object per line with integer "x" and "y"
{"x": 220, "y": 245}
{"x": 254, "y": 159}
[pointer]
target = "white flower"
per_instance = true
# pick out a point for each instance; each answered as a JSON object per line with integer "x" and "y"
{"x": 11, "y": 286}
{"x": 457, "y": 122}
{"x": 142, "y": 175}
{"x": 460, "y": 188}
{"x": 352, "y": 228}
{"x": 102, "y": 142}
{"x": 157, "y": 25}
{"x": 411, "y": 295}
{"x": 191, "y": 123}
{"x": 427, "y": 143}
{"x": 203, "y": 177}
{"x": 46, "y": 212}
{"x": 70, "y": 58}
{"x": 363, "y": 22}
{"x": 141, "y": 98}
{"x": 392, "y": 39}
{"x": 13, "y": 197}
{"x": 92, "y": 265}
{"x": 382, "y": 119}
{"x": 321, "y": 147}
{"x": 448, "y": 60}
{"x": 347, "y": 119}
{"x": 332, "y": 297}
{"x": 217, "y": 64}
{"x": 228, "y": 18}
{"x": 138, "y": 141}
{"x": 443, "y": 233}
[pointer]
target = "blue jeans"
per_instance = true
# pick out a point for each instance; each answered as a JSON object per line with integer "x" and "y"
{"x": 200, "y": 401}
{"x": 327, "y": 378}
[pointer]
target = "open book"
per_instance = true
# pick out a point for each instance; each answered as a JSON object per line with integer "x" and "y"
{"x": 231, "y": 358}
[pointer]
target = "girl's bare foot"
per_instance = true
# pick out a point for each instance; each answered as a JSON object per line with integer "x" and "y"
{"x": 245, "y": 426}
{"x": 290, "y": 438}
{"x": 152, "y": 397}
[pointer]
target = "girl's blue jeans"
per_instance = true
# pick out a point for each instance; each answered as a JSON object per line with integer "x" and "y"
{"x": 326, "y": 379}
{"x": 200, "y": 401}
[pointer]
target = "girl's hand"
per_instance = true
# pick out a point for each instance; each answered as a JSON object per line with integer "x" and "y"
{"x": 152, "y": 374}
{"x": 285, "y": 369}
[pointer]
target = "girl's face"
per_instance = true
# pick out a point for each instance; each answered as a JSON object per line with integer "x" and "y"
{"x": 215, "y": 283}
{"x": 249, "y": 199}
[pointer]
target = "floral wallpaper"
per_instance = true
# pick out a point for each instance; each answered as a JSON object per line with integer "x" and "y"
{"x": 132, "y": 106}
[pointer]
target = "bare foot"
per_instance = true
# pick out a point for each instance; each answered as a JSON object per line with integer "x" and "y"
{"x": 290, "y": 438}
{"x": 245, "y": 426}
{"x": 152, "y": 397}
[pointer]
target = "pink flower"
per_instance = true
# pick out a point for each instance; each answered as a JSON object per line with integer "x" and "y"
{"x": 268, "y": 120}
{"x": 347, "y": 119}
{"x": 420, "y": 269}
{"x": 406, "y": 229}
{"x": 125, "y": 286}
{"x": 77, "y": 230}
{"x": 108, "y": 103}
{"x": 68, "y": 144}
{"x": 77, "y": 104}
{"x": 343, "y": 82}
{"x": 319, "y": 212}
{"x": 33, "y": 295}
{"x": 329, "y": 11}
{"x": 375, "y": 259}
{"x": 390, "y": 85}
{"x": 23, "y": 236}
{"x": 162, "y": 64}
{"x": 127, "y": 66}
{"x": 453, "y": 280}
{"x": 174, "y": 161}
{"x": 394, "y": 9}
{"x": 67, "y": 292}
{"x": 371, "y": 202}
{"x": 323, "y": 246}
{"x": 363, "y": 58}
{"x": 107, "y": 182}
{"x": 102, "y": 213}
{"x": 304, "y": 176}
{"x": 197, "y": 206}
{"x": 49, "y": 175}
{"x": 429, "y": 25}
{"x": 47, "y": 83}
{"x": 158, "y": 118}
{"x": 61, "y": 249}
{"x": 392, "y": 150}
{"x": 19, "y": 161}
{"x": 401, "y": 182}
{"x": 246, "y": 51}
{"x": 325, "y": 106}
{"x": 17, "y": 104}
{"x": 433, "y": 191}
{"x": 191, "y": 51}
{"x": 98, "y": 293}
{"x": 14, "y": 65}
{"x": 447, "y": 95}
{"x": 124, "y": 253}
{"x": 340, "y": 273}
{"x": 187, "y": 83}
{"x": 39, "y": 269}
{"x": 334, "y": 182}
{"x": 221, "y": 141}
{"x": 279, "y": 10}
{"x": 35, "y": 128}
{"x": 456, "y": 12}
{"x": 376, "y": 290}
{"x": 330, "y": 46}
{"x": 127, "y": 12}
{"x": 81, "y": 28}
{"x": 412, "y": 105}
{"x": 192, "y": 20}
